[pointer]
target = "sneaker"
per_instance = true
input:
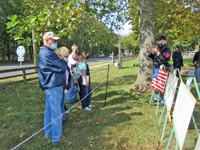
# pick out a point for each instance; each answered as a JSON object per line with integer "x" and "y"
{"x": 70, "y": 103}
{"x": 62, "y": 139}
{"x": 87, "y": 108}
{"x": 91, "y": 106}
{"x": 161, "y": 105}
{"x": 155, "y": 101}
{"x": 66, "y": 120}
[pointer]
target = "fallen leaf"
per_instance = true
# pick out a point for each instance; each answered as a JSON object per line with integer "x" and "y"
{"x": 21, "y": 135}
{"x": 157, "y": 143}
{"x": 70, "y": 143}
{"x": 5, "y": 125}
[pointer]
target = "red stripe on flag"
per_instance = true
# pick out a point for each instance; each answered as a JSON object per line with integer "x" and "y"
{"x": 163, "y": 71}
{"x": 158, "y": 84}
{"x": 161, "y": 91}
{"x": 161, "y": 77}
{"x": 161, "y": 80}
{"x": 163, "y": 74}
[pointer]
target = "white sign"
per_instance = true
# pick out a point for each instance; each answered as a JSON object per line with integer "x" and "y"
{"x": 20, "y": 58}
{"x": 198, "y": 144}
{"x": 189, "y": 83}
{"x": 170, "y": 90}
{"x": 183, "y": 111}
{"x": 20, "y": 51}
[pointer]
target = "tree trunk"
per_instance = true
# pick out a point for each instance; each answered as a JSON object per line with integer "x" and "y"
{"x": 35, "y": 52}
{"x": 147, "y": 29}
{"x": 8, "y": 51}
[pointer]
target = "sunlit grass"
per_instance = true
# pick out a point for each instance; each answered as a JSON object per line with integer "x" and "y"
{"x": 126, "y": 122}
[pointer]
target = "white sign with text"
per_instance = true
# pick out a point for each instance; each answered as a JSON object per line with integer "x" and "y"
{"x": 183, "y": 111}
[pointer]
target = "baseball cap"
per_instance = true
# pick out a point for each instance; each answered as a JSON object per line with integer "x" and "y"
{"x": 161, "y": 38}
{"x": 177, "y": 46}
{"x": 50, "y": 35}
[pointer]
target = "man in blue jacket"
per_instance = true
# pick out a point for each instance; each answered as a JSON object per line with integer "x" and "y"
{"x": 51, "y": 72}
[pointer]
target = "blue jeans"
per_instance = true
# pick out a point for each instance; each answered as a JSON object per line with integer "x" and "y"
{"x": 63, "y": 101}
{"x": 85, "y": 90}
{"x": 161, "y": 97}
{"x": 197, "y": 69}
{"x": 52, "y": 112}
{"x": 72, "y": 93}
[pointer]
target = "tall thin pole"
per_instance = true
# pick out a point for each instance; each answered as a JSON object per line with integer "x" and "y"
{"x": 120, "y": 52}
{"x": 106, "y": 85}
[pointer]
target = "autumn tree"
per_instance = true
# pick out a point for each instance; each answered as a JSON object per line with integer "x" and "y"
{"x": 171, "y": 18}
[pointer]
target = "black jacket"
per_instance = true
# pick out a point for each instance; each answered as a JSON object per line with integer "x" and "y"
{"x": 196, "y": 56}
{"x": 177, "y": 58}
{"x": 162, "y": 58}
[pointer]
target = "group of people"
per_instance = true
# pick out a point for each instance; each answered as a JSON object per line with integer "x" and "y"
{"x": 60, "y": 73}
{"x": 161, "y": 55}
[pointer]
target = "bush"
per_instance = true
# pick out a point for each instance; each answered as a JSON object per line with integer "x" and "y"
{"x": 135, "y": 64}
{"x": 170, "y": 63}
{"x": 189, "y": 64}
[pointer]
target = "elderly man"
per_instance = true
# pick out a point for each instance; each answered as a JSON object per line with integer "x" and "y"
{"x": 52, "y": 79}
{"x": 160, "y": 57}
{"x": 72, "y": 63}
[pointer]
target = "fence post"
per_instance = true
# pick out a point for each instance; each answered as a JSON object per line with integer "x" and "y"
{"x": 24, "y": 75}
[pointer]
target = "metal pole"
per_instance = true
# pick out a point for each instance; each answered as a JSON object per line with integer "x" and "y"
{"x": 106, "y": 86}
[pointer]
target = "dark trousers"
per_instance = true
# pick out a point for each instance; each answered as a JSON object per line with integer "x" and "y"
{"x": 179, "y": 67}
{"x": 85, "y": 90}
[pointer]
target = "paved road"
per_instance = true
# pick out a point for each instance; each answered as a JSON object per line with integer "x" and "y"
{"x": 14, "y": 66}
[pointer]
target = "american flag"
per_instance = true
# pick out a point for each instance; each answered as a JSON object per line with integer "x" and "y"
{"x": 159, "y": 79}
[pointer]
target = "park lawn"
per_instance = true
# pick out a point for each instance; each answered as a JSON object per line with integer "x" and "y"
{"x": 126, "y": 122}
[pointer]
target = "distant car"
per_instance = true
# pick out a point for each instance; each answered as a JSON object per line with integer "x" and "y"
{"x": 101, "y": 55}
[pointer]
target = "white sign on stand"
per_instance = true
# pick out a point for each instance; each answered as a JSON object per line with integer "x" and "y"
{"x": 183, "y": 111}
{"x": 170, "y": 90}
{"x": 198, "y": 144}
{"x": 20, "y": 52}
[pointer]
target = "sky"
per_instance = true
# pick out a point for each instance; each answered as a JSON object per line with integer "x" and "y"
{"x": 127, "y": 29}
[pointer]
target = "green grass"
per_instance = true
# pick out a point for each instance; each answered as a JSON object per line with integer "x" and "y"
{"x": 127, "y": 122}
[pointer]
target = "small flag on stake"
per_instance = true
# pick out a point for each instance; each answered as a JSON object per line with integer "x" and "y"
{"x": 159, "y": 79}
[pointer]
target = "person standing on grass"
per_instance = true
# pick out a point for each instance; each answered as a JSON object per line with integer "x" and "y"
{"x": 177, "y": 60}
{"x": 161, "y": 56}
{"x": 72, "y": 63}
{"x": 84, "y": 81}
{"x": 63, "y": 53}
{"x": 196, "y": 62}
{"x": 52, "y": 79}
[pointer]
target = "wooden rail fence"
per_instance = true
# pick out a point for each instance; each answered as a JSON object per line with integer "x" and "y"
{"x": 24, "y": 74}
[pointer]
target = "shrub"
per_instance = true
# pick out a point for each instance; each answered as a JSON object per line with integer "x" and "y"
{"x": 189, "y": 64}
{"x": 135, "y": 64}
{"x": 170, "y": 63}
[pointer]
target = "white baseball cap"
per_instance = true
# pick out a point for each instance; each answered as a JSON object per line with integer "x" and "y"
{"x": 50, "y": 35}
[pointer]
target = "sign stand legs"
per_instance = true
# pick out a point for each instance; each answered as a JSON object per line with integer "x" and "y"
{"x": 158, "y": 103}
{"x": 151, "y": 97}
{"x": 170, "y": 138}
